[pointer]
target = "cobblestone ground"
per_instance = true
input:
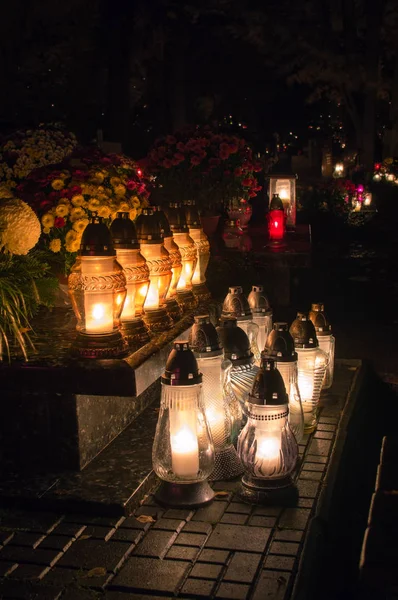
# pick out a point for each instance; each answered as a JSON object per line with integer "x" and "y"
{"x": 227, "y": 550}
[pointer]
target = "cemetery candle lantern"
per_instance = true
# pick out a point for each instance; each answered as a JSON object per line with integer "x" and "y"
{"x": 97, "y": 288}
{"x": 282, "y": 182}
{"x": 339, "y": 170}
{"x": 267, "y": 446}
{"x": 312, "y": 364}
{"x": 219, "y": 399}
{"x": 199, "y": 287}
{"x": 136, "y": 270}
{"x": 183, "y": 451}
{"x": 325, "y": 338}
{"x": 276, "y": 223}
{"x": 158, "y": 260}
{"x": 262, "y": 313}
{"x": 236, "y": 305}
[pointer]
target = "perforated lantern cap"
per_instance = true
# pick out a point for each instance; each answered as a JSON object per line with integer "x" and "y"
{"x": 192, "y": 215}
{"x": 235, "y": 342}
{"x": 148, "y": 227}
{"x": 280, "y": 344}
{"x": 258, "y": 301}
{"x": 236, "y": 305}
{"x": 204, "y": 339}
{"x": 319, "y": 319}
{"x": 163, "y": 221}
{"x": 276, "y": 203}
{"x": 268, "y": 387}
{"x": 96, "y": 239}
{"x": 303, "y": 332}
{"x": 123, "y": 232}
{"x": 181, "y": 366}
{"x": 176, "y": 216}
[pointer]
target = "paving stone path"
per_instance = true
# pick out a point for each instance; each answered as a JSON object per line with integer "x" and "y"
{"x": 227, "y": 550}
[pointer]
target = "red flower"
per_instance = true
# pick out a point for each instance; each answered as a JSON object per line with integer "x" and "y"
{"x": 167, "y": 163}
{"x": 64, "y": 193}
{"x": 224, "y": 155}
{"x": 225, "y": 148}
{"x": 45, "y": 204}
{"x": 195, "y": 160}
{"x": 247, "y": 182}
{"x": 233, "y": 147}
{"x": 59, "y": 222}
{"x": 131, "y": 185}
{"x": 252, "y": 194}
{"x": 257, "y": 167}
{"x": 179, "y": 157}
{"x": 238, "y": 172}
{"x": 181, "y": 147}
{"x": 76, "y": 189}
{"x": 170, "y": 139}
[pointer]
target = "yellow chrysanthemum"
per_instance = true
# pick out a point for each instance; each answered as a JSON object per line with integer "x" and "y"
{"x": 47, "y": 220}
{"x": 120, "y": 190}
{"x": 104, "y": 211}
{"x": 124, "y": 206}
{"x": 46, "y": 229}
{"x": 98, "y": 177}
{"x": 94, "y": 204}
{"x": 55, "y": 245}
{"x": 133, "y": 214}
{"x": 77, "y": 213}
{"x": 80, "y": 225}
{"x": 61, "y": 210}
{"x": 57, "y": 184}
{"x": 115, "y": 181}
{"x": 135, "y": 201}
{"x": 77, "y": 200}
{"x": 72, "y": 246}
{"x": 71, "y": 237}
{"x": 103, "y": 198}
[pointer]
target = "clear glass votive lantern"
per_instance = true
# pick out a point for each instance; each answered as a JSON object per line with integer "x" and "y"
{"x": 97, "y": 288}
{"x": 236, "y": 305}
{"x": 326, "y": 340}
{"x": 267, "y": 446}
{"x": 232, "y": 234}
{"x": 158, "y": 260}
{"x": 199, "y": 287}
{"x": 183, "y": 451}
{"x": 262, "y": 314}
{"x": 282, "y": 182}
{"x": 219, "y": 398}
{"x": 136, "y": 270}
{"x": 312, "y": 364}
{"x": 280, "y": 347}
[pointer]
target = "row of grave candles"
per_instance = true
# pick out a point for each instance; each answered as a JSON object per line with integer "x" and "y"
{"x": 213, "y": 385}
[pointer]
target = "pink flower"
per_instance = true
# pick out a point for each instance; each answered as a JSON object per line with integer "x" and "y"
{"x": 131, "y": 185}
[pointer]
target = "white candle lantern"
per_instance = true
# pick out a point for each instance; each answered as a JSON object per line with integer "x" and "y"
{"x": 236, "y": 305}
{"x": 312, "y": 365}
{"x": 199, "y": 287}
{"x": 262, "y": 314}
{"x": 183, "y": 451}
{"x": 267, "y": 446}
{"x": 326, "y": 340}
{"x": 221, "y": 405}
{"x": 367, "y": 198}
{"x": 136, "y": 270}
{"x": 236, "y": 346}
{"x": 189, "y": 254}
{"x": 282, "y": 181}
{"x": 339, "y": 170}
{"x": 158, "y": 260}
{"x": 280, "y": 347}
{"x": 97, "y": 288}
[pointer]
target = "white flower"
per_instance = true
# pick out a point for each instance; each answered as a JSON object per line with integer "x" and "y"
{"x": 19, "y": 226}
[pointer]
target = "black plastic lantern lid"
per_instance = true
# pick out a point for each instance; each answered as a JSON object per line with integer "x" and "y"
{"x": 163, "y": 221}
{"x": 276, "y": 203}
{"x": 192, "y": 215}
{"x": 148, "y": 227}
{"x": 181, "y": 366}
{"x": 258, "y": 301}
{"x": 96, "y": 239}
{"x": 235, "y": 342}
{"x": 268, "y": 387}
{"x": 303, "y": 332}
{"x": 280, "y": 344}
{"x": 319, "y": 319}
{"x": 176, "y": 216}
{"x": 204, "y": 338}
{"x": 236, "y": 305}
{"x": 123, "y": 232}
{"x": 283, "y": 168}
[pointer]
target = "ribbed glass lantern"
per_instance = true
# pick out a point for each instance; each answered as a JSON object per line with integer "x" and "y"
{"x": 282, "y": 181}
{"x": 97, "y": 288}
{"x": 237, "y": 349}
{"x": 199, "y": 287}
{"x": 236, "y": 305}
{"x": 136, "y": 270}
{"x": 158, "y": 260}
{"x": 312, "y": 365}
{"x": 219, "y": 399}
{"x": 280, "y": 347}
{"x": 267, "y": 446}
{"x": 183, "y": 451}
{"x": 326, "y": 340}
{"x": 262, "y": 314}
{"x": 189, "y": 254}
{"x": 176, "y": 263}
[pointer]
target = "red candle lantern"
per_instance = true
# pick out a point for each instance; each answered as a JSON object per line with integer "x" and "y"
{"x": 276, "y": 222}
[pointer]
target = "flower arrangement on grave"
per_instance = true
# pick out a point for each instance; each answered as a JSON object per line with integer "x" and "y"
{"x": 336, "y": 196}
{"x": 213, "y": 168}
{"x": 386, "y": 171}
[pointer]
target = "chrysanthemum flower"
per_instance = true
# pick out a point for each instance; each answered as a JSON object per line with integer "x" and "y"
{"x": 55, "y": 245}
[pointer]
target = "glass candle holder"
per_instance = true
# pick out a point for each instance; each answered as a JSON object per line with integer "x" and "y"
{"x": 218, "y": 401}
{"x": 236, "y": 305}
{"x": 158, "y": 260}
{"x": 282, "y": 181}
{"x": 267, "y": 446}
{"x": 276, "y": 223}
{"x": 280, "y": 347}
{"x": 312, "y": 364}
{"x": 326, "y": 340}
{"x": 136, "y": 270}
{"x": 232, "y": 234}
{"x": 183, "y": 451}
{"x": 199, "y": 287}
{"x": 262, "y": 314}
{"x": 97, "y": 288}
